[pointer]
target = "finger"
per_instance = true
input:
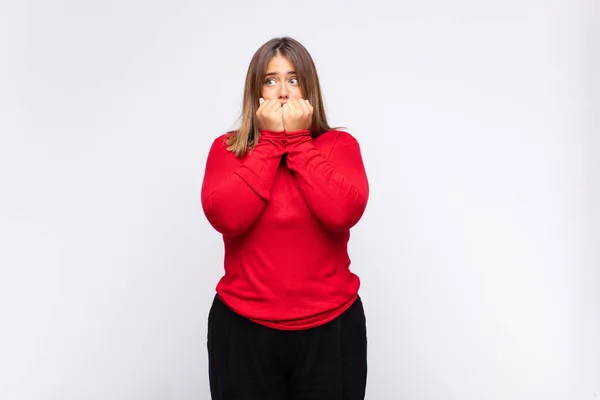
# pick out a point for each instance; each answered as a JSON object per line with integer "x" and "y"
{"x": 301, "y": 110}
{"x": 294, "y": 107}
{"x": 262, "y": 103}
{"x": 286, "y": 111}
{"x": 310, "y": 107}
{"x": 274, "y": 105}
{"x": 264, "y": 107}
{"x": 278, "y": 108}
{"x": 305, "y": 106}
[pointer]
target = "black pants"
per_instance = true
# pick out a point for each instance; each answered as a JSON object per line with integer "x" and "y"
{"x": 249, "y": 361}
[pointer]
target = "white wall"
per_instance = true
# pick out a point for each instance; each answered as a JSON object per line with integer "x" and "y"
{"x": 592, "y": 274}
{"x": 477, "y": 253}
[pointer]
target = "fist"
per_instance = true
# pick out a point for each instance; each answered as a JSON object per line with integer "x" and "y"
{"x": 269, "y": 115}
{"x": 297, "y": 115}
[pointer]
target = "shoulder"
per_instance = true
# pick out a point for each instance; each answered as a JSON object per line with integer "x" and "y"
{"x": 219, "y": 148}
{"x": 221, "y": 142}
{"x": 336, "y": 140}
{"x": 333, "y": 137}
{"x": 223, "y": 138}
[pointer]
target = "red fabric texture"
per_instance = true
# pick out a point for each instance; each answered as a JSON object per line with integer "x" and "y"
{"x": 285, "y": 211}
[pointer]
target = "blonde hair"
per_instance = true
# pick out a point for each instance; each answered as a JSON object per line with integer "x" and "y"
{"x": 243, "y": 139}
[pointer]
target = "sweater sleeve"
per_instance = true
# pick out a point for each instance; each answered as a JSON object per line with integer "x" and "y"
{"x": 235, "y": 191}
{"x": 335, "y": 187}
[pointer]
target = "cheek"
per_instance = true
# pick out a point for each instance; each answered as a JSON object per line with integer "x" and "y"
{"x": 296, "y": 93}
{"x": 267, "y": 93}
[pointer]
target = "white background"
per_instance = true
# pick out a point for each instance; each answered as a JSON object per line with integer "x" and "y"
{"x": 479, "y": 123}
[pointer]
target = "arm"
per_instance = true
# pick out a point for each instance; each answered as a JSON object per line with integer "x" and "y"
{"x": 335, "y": 188}
{"x": 234, "y": 192}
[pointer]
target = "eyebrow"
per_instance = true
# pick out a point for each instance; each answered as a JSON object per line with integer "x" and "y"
{"x": 277, "y": 73}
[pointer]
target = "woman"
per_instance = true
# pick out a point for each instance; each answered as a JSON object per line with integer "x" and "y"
{"x": 284, "y": 190}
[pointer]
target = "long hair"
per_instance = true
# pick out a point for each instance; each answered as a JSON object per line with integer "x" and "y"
{"x": 243, "y": 139}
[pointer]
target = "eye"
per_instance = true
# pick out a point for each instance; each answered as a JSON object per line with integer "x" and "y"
{"x": 270, "y": 82}
{"x": 294, "y": 81}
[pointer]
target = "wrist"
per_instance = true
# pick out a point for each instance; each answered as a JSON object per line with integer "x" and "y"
{"x": 271, "y": 139}
{"x": 296, "y": 138}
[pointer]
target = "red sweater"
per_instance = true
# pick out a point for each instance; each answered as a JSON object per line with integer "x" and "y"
{"x": 285, "y": 211}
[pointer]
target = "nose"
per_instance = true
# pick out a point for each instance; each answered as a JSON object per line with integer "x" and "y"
{"x": 283, "y": 92}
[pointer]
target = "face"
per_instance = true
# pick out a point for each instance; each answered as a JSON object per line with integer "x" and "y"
{"x": 280, "y": 81}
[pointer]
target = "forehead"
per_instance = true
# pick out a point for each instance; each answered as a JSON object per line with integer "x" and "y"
{"x": 280, "y": 65}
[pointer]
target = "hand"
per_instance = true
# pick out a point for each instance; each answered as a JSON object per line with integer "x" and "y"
{"x": 269, "y": 115}
{"x": 297, "y": 115}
